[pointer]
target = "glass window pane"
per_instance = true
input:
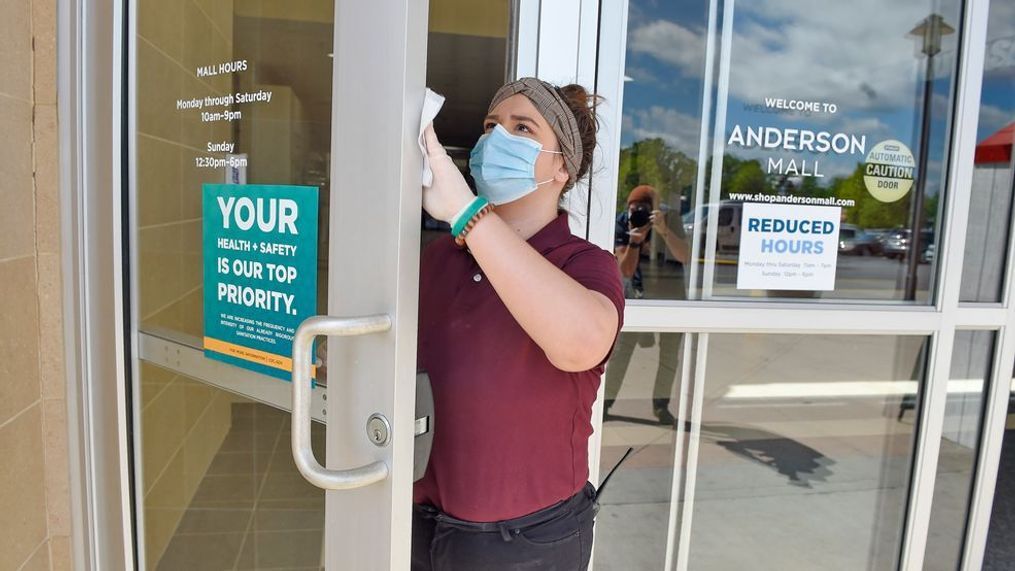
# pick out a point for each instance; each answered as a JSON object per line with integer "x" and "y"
{"x": 960, "y": 442}
{"x": 806, "y": 447}
{"x": 848, "y": 126}
{"x": 205, "y": 71}
{"x": 641, "y": 388}
{"x": 220, "y": 489}
{"x": 469, "y": 56}
{"x": 1000, "y": 550}
{"x": 663, "y": 88}
{"x": 992, "y": 186}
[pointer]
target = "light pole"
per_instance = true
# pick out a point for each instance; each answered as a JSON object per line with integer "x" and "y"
{"x": 929, "y": 32}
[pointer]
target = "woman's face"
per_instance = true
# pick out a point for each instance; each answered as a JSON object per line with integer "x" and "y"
{"x": 520, "y": 117}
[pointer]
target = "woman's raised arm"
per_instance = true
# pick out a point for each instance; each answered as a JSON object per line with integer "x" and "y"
{"x": 575, "y": 326}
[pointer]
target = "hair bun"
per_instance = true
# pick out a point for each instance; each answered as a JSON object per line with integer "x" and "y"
{"x": 578, "y": 96}
{"x": 583, "y": 105}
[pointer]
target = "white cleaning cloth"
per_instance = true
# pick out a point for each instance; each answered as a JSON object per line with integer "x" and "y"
{"x": 432, "y": 104}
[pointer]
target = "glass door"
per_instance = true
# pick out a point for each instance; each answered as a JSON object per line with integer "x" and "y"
{"x": 274, "y": 179}
{"x": 224, "y": 93}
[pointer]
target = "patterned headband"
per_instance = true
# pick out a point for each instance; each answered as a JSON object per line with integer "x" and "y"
{"x": 552, "y": 106}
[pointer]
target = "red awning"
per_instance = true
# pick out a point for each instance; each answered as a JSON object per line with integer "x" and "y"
{"x": 997, "y": 147}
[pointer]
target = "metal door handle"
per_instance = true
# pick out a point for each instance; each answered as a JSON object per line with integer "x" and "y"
{"x": 303, "y": 454}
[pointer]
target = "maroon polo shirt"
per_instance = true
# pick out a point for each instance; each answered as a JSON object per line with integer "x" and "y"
{"x": 511, "y": 430}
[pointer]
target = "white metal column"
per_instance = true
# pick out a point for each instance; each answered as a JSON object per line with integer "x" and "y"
{"x": 934, "y": 395}
{"x": 1000, "y": 387}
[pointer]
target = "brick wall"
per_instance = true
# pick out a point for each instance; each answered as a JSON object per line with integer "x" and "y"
{"x": 34, "y": 499}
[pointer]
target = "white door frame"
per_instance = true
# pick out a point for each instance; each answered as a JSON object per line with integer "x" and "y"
{"x": 377, "y": 96}
{"x": 554, "y": 41}
{"x": 91, "y": 109}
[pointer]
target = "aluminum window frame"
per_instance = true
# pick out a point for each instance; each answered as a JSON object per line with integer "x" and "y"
{"x": 90, "y": 104}
{"x": 939, "y": 321}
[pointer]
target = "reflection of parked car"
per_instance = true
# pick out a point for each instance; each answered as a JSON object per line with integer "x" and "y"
{"x": 727, "y": 225}
{"x": 854, "y": 240}
{"x": 897, "y": 242}
{"x": 879, "y": 234}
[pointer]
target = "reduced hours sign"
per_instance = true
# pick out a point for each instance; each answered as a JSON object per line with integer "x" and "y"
{"x": 788, "y": 247}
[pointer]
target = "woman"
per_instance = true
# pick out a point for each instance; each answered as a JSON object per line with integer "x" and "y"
{"x": 517, "y": 319}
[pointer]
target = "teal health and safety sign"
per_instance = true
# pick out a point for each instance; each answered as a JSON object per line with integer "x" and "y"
{"x": 260, "y": 272}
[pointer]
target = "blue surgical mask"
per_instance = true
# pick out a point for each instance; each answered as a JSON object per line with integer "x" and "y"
{"x": 504, "y": 165}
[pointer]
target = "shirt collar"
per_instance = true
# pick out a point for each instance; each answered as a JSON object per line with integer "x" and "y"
{"x": 552, "y": 235}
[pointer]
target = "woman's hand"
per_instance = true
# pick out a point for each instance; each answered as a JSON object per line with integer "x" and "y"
{"x": 449, "y": 193}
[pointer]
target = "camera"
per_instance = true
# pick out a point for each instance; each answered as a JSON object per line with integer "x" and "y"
{"x": 639, "y": 214}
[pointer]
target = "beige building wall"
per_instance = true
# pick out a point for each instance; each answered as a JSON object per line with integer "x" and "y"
{"x": 34, "y": 498}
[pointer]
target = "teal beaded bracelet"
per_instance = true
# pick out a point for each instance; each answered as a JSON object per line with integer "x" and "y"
{"x": 475, "y": 206}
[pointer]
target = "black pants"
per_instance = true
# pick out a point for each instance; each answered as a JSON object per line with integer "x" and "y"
{"x": 558, "y": 538}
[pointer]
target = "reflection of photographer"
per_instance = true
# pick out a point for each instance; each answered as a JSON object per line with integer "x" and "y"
{"x": 632, "y": 232}
{"x": 639, "y": 215}
{"x": 635, "y": 227}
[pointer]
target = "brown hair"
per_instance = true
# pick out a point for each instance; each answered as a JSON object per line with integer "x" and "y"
{"x": 583, "y": 105}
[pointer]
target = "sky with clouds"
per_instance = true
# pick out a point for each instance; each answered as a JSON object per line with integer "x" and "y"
{"x": 858, "y": 55}
{"x": 997, "y": 101}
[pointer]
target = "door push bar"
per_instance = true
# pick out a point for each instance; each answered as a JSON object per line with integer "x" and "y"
{"x": 302, "y": 452}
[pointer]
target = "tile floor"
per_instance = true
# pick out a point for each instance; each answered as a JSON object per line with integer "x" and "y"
{"x": 252, "y": 510}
